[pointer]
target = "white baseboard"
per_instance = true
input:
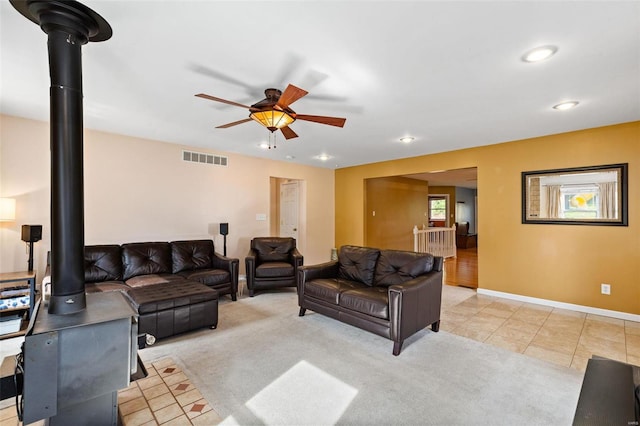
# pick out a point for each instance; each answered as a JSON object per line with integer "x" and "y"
{"x": 561, "y": 305}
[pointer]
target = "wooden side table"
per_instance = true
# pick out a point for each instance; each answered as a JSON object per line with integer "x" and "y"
{"x": 12, "y": 279}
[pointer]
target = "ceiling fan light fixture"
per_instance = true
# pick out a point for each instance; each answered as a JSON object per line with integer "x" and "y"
{"x": 539, "y": 53}
{"x": 272, "y": 119}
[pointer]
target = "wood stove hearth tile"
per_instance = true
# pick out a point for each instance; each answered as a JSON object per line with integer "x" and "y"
{"x": 155, "y": 391}
{"x": 161, "y": 401}
{"x": 164, "y": 362}
{"x": 132, "y": 406}
{"x": 189, "y": 397}
{"x": 179, "y": 421}
{"x": 182, "y": 387}
{"x": 138, "y": 418}
{"x": 175, "y": 378}
{"x": 168, "y": 371}
{"x": 128, "y": 394}
{"x": 167, "y": 413}
{"x": 148, "y": 382}
{"x": 197, "y": 408}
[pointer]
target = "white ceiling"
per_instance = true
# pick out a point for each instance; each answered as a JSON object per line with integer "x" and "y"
{"x": 448, "y": 73}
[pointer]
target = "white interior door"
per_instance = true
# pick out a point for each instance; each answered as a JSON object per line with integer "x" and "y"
{"x": 289, "y": 209}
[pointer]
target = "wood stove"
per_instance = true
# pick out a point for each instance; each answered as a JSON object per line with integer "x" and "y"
{"x": 82, "y": 349}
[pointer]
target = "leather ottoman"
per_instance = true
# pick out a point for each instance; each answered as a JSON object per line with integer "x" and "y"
{"x": 175, "y": 307}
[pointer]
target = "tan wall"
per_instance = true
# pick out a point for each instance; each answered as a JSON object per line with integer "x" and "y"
{"x": 141, "y": 190}
{"x": 399, "y": 205}
{"x": 563, "y": 263}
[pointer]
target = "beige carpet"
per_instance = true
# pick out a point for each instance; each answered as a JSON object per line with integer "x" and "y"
{"x": 265, "y": 365}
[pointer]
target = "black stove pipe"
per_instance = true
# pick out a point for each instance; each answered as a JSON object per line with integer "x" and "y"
{"x": 69, "y": 25}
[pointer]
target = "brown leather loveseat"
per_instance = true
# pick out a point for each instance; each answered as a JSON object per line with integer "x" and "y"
{"x": 391, "y": 293}
{"x": 173, "y": 286}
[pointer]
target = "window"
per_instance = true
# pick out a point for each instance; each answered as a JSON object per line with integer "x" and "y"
{"x": 579, "y": 202}
{"x": 437, "y": 208}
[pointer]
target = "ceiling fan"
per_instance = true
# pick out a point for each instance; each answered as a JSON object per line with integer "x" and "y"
{"x": 274, "y": 113}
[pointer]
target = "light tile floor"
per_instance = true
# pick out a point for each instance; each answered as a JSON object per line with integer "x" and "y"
{"x": 165, "y": 397}
{"x": 564, "y": 337}
{"x": 567, "y": 338}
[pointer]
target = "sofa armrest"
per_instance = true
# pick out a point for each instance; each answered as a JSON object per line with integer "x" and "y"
{"x": 438, "y": 263}
{"x": 312, "y": 272}
{"x": 322, "y": 270}
{"x": 415, "y": 304}
{"x": 297, "y": 259}
{"x": 228, "y": 264}
{"x": 222, "y": 262}
{"x": 250, "y": 263}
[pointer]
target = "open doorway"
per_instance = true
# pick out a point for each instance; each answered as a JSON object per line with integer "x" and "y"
{"x": 394, "y": 205}
{"x": 287, "y": 209}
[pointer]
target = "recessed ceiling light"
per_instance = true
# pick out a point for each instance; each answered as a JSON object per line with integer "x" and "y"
{"x": 323, "y": 157}
{"x": 539, "y": 53}
{"x": 264, "y": 145}
{"x": 566, "y": 105}
{"x": 407, "y": 139}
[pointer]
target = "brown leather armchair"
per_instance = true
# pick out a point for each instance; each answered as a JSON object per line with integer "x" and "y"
{"x": 272, "y": 262}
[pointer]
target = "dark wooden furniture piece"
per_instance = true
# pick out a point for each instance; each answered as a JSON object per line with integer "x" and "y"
{"x": 463, "y": 238}
{"x": 16, "y": 284}
{"x": 609, "y": 394}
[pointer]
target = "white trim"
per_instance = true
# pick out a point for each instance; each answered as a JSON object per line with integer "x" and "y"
{"x": 562, "y": 305}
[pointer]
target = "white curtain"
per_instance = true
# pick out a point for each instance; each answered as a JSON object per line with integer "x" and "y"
{"x": 554, "y": 201}
{"x": 608, "y": 208}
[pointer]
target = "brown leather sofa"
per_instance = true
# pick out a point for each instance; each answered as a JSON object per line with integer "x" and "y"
{"x": 272, "y": 262}
{"x": 391, "y": 293}
{"x": 173, "y": 286}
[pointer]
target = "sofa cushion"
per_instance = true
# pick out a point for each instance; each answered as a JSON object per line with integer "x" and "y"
{"x": 396, "y": 266}
{"x": 274, "y": 270}
{"x": 152, "y": 279}
{"x": 146, "y": 258}
{"x": 372, "y": 301}
{"x": 211, "y": 277}
{"x": 102, "y": 263}
{"x": 329, "y": 289}
{"x": 191, "y": 255}
{"x": 273, "y": 249}
{"x": 357, "y": 263}
{"x": 106, "y": 286}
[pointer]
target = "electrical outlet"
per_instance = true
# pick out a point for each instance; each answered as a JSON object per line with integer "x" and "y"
{"x": 605, "y": 289}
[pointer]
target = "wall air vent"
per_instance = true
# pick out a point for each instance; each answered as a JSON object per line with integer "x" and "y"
{"x": 199, "y": 157}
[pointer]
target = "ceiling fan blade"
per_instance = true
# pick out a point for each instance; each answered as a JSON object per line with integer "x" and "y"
{"x": 235, "y": 123}
{"x": 288, "y": 133}
{"x": 290, "y": 95}
{"x": 224, "y": 101}
{"x": 331, "y": 121}
{"x": 208, "y": 72}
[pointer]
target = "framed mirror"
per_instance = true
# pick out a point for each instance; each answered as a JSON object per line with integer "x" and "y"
{"x": 595, "y": 195}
